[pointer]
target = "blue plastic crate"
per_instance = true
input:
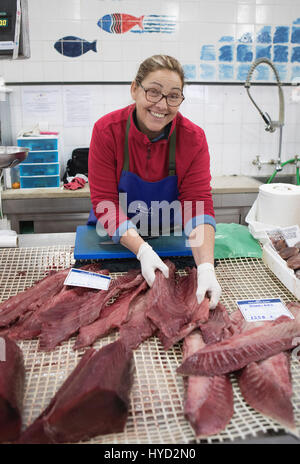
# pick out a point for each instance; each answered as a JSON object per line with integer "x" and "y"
{"x": 41, "y": 157}
{"x": 39, "y": 181}
{"x": 50, "y": 169}
{"x": 38, "y": 143}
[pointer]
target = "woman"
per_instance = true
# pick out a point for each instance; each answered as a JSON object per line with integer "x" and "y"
{"x": 131, "y": 153}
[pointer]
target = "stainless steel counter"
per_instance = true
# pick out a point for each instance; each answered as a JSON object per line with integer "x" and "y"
{"x": 45, "y": 240}
{"x": 57, "y": 210}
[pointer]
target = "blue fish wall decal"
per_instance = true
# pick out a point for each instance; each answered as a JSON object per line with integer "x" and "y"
{"x": 74, "y": 46}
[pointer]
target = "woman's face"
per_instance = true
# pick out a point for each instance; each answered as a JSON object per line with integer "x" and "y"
{"x": 153, "y": 117}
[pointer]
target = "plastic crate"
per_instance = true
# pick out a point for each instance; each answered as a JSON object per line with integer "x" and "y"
{"x": 38, "y": 143}
{"x": 50, "y": 169}
{"x": 39, "y": 181}
{"x": 41, "y": 157}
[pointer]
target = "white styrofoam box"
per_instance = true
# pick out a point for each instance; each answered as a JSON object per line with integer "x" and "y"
{"x": 280, "y": 268}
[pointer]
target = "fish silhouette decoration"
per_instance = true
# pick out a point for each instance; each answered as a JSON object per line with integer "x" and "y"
{"x": 118, "y": 23}
{"x": 74, "y": 46}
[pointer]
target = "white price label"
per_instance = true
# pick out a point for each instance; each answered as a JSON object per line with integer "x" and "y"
{"x": 80, "y": 278}
{"x": 263, "y": 310}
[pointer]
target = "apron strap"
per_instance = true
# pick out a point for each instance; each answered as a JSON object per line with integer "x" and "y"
{"x": 172, "y": 150}
{"x": 126, "y": 147}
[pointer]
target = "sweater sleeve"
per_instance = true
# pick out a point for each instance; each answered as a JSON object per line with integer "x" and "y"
{"x": 195, "y": 189}
{"x": 103, "y": 181}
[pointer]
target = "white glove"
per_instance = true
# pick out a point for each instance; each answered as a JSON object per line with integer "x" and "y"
{"x": 207, "y": 282}
{"x": 150, "y": 261}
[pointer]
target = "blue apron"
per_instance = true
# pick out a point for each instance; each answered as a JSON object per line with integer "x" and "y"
{"x": 142, "y": 192}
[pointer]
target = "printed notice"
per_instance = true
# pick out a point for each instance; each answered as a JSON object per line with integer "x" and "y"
{"x": 80, "y": 278}
{"x": 77, "y": 106}
{"x": 41, "y": 104}
{"x": 263, "y": 310}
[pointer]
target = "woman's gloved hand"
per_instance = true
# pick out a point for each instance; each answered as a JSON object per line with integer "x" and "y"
{"x": 150, "y": 261}
{"x": 207, "y": 282}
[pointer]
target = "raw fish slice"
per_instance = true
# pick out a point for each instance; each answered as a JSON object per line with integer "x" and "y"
{"x": 175, "y": 310}
{"x": 118, "y": 314}
{"x": 218, "y": 326}
{"x": 54, "y": 332}
{"x": 94, "y": 399}
{"x": 266, "y": 387}
{"x": 30, "y": 325}
{"x": 138, "y": 327}
{"x": 208, "y": 404}
{"x": 12, "y": 380}
{"x": 31, "y": 298}
{"x": 251, "y": 345}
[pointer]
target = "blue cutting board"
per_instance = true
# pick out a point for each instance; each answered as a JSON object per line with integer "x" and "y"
{"x": 88, "y": 246}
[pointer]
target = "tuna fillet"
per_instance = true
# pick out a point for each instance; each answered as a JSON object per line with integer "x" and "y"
{"x": 138, "y": 327}
{"x": 117, "y": 314}
{"x": 175, "y": 310}
{"x": 54, "y": 332}
{"x": 12, "y": 378}
{"x": 31, "y": 298}
{"x": 29, "y": 325}
{"x": 251, "y": 345}
{"x": 94, "y": 399}
{"x": 208, "y": 404}
{"x": 266, "y": 387}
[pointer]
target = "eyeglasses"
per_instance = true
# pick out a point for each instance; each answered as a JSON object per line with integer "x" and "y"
{"x": 155, "y": 96}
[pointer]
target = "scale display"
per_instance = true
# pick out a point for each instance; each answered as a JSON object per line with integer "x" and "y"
{"x": 5, "y": 23}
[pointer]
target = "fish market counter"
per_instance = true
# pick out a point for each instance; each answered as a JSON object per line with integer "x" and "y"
{"x": 156, "y": 409}
{"x": 57, "y": 210}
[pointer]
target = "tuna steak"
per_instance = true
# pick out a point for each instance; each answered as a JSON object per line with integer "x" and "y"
{"x": 208, "y": 404}
{"x": 251, "y": 345}
{"x": 94, "y": 399}
{"x": 12, "y": 378}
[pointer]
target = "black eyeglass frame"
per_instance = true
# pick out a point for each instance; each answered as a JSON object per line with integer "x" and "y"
{"x": 162, "y": 96}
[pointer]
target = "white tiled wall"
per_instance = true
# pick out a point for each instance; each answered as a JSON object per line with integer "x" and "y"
{"x": 235, "y": 131}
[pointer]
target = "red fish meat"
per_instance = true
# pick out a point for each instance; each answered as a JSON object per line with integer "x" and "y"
{"x": 54, "y": 332}
{"x": 138, "y": 327}
{"x": 208, "y": 404}
{"x": 12, "y": 380}
{"x": 266, "y": 387}
{"x": 175, "y": 310}
{"x": 93, "y": 400}
{"x": 117, "y": 315}
{"x": 239, "y": 350}
{"x": 31, "y": 298}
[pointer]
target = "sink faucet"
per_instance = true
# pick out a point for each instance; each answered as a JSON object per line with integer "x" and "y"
{"x": 271, "y": 125}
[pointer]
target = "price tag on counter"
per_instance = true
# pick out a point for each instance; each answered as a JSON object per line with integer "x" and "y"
{"x": 80, "y": 278}
{"x": 263, "y": 310}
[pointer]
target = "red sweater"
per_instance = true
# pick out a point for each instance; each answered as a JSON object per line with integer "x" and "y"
{"x": 150, "y": 161}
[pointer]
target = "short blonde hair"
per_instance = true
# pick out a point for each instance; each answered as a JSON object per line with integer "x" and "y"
{"x": 156, "y": 62}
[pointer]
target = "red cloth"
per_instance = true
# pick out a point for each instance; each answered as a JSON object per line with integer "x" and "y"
{"x": 76, "y": 183}
{"x": 149, "y": 160}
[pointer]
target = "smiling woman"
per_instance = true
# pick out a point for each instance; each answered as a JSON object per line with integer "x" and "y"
{"x": 149, "y": 152}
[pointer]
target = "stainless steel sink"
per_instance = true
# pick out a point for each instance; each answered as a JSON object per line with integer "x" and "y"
{"x": 284, "y": 179}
